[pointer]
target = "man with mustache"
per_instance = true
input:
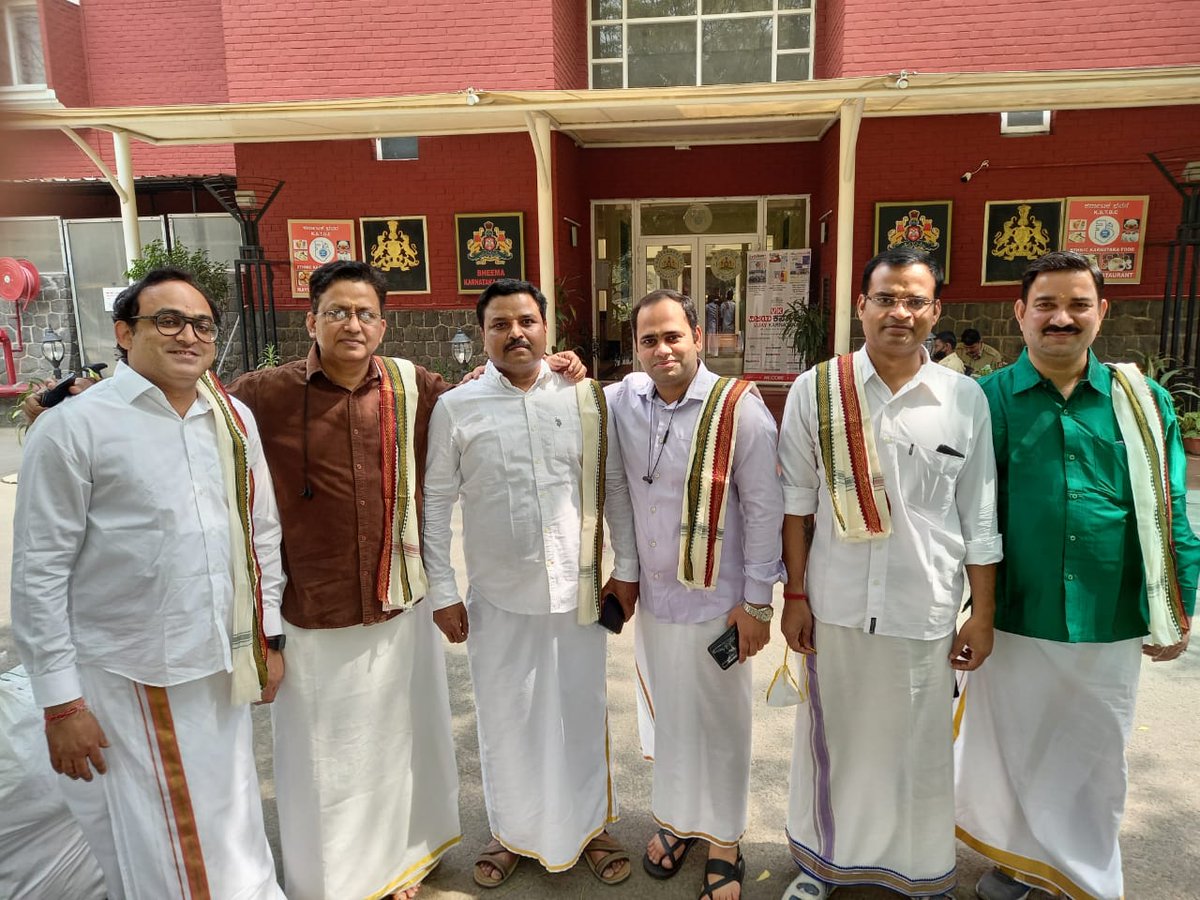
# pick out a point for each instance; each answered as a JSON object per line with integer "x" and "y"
{"x": 525, "y": 452}
{"x": 889, "y": 491}
{"x": 1098, "y": 554}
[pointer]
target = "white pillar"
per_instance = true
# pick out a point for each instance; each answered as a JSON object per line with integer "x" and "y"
{"x": 843, "y": 309}
{"x": 539, "y": 133}
{"x": 129, "y": 216}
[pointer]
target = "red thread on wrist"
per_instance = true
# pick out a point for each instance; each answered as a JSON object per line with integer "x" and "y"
{"x": 77, "y": 707}
{"x": 789, "y": 595}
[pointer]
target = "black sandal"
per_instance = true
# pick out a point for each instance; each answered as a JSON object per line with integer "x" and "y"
{"x": 730, "y": 874}
{"x": 676, "y": 852}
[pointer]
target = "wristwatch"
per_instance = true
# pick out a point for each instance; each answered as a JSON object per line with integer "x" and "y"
{"x": 276, "y": 642}
{"x": 759, "y": 613}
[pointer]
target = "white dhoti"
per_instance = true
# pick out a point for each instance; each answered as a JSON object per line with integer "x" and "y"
{"x": 1041, "y": 761}
{"x": 365, "y": 775}
{"x": 872, "y": 781}
{"x": 541, "y": 706}
{"x": 179, "y": 813}
{"x": 695, "y": 723}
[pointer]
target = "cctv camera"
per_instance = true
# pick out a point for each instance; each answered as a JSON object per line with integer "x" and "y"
{"x": 965, "y": 177}
{"x": 901, "y": 82}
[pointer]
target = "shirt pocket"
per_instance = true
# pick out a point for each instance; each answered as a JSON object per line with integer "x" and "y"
{"x": 928, "y": 480}
{"x": 1110, "y": 463}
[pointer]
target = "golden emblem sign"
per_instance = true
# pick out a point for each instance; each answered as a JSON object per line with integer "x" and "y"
{"x": 394, "y": 249}
{"x": 1023, "y": 236}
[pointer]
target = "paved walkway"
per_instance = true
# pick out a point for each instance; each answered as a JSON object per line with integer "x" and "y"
{"x": 1158, "y": 839}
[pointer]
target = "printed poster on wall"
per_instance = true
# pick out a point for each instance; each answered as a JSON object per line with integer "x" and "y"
{"x": 314, "y": 242}
{"x": 1015, "y": 233}
{"x": 915, "y": 225}
{"x": 774, "y": 280}
{"x": 1111, "y": 231}
{"x": 489, "y": 246}
{"x": 396, "y": 246}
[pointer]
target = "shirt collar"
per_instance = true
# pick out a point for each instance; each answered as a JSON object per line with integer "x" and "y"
{"x": 702, "y": 383}
{"x": 495, "y": 375}
{"x": 131, "y": 384}
{"x": 921, "y": 380}
{"x": 1025, "y": 376}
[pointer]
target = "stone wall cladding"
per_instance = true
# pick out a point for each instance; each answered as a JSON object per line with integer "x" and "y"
{"x": 53, "y": 308}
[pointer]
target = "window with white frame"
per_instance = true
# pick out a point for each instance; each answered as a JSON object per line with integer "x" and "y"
{"x": 667, "y": 43}
{"x": 21, "y": 60}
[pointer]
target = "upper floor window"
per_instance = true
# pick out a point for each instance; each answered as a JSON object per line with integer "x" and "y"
{"x": 666, "y": 43}
{"x": 21, "y": 61}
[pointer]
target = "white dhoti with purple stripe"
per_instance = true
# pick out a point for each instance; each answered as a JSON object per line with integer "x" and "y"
{"x": 872, "y": 781}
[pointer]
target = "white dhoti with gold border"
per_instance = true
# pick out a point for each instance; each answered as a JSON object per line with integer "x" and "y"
{"x": 365, "y": 774}
{"x": 1040, "y": 756}
{"x": 695, "y": 724}
{"x": 179, "y": 813}
{"x": 872, "y": 781}
{"x": 541, "y": 707}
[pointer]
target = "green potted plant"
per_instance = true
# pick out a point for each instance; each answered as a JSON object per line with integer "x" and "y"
{"x": 805, "y": 329}
{"x": 1189, "y": 429}
{"x": 210, "y": 275}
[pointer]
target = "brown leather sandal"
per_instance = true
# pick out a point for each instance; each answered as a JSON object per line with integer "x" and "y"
{"x": 494, "y": 855}
{"x": 615, "y": 854}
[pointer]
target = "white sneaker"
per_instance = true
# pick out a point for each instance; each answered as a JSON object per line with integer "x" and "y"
{"x": 806, "y": 887}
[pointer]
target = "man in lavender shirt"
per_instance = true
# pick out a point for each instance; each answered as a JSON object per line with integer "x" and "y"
{"x": 694, "y": 717}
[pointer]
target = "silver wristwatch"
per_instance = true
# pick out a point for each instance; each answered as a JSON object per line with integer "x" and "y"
{"x": 759, "y": 613}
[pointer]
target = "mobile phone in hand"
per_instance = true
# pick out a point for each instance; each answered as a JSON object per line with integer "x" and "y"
{"x": 612, "y": 615}
{"x": 58, "y": 393}
{"x": 725, "y": 648}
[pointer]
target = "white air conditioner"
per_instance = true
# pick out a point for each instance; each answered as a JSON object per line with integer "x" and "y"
{"x": 1027, "y": 121}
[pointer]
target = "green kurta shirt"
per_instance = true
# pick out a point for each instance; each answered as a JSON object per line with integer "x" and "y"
{"x": 1072, "y": 568}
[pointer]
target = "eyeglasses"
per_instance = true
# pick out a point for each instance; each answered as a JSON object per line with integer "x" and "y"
{"x": 339, "y": 315}
{"x": 170, "y": 324}
{"x": 887, "y": 301}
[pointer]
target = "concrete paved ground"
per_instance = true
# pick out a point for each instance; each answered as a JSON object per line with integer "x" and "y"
{"x": 1161, "y": 859}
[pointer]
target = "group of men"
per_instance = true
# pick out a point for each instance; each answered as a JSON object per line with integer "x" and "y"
{"x": 971, "y": 357}
{"x": 157, "y": 589}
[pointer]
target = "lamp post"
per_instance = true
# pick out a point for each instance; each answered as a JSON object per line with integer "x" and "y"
{"x": 462, "y": 347}
{"x": 53, "y": 351}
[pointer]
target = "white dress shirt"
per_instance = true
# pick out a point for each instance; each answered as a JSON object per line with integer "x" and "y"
{"x": 943, "y": 506}
{"x": 121, "y": 541}
{"x": 653, "y": 436}
{"x": 515, "y": 459}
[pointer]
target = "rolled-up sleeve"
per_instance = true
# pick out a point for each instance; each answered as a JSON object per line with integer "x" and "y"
{"x": 618, "y": 507}
{"x": 443, "y": 477}
{"x": 975, "y": 495}
{"x": 797, "y": 449}
{"x": 761, "y": 497}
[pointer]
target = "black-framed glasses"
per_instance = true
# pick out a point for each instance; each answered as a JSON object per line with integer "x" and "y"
{"x": 170, "y": 324}
{"x": 339, "y": 315}
{"x": 887, "y": 301}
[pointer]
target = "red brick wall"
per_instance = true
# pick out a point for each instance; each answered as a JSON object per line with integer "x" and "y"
{"x": 145, "y": 52}
{"x": 342, "y": 180}
{"x": 828, "y": 37}
{"x": 49, "y": 154}
{"x": 572, "y": 265}
{"x": 307, "y": 49}
{"x": 1088, "y": 153}
{"x": 570, "y": 44}
{"x": 1008, "y": 35}
{"x": 63, "y": 46}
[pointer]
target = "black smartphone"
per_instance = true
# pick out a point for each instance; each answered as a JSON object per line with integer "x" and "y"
{"x": 58, "y": 393}
{"x": 612, "y": 615}
{"x": 725, "y": 648}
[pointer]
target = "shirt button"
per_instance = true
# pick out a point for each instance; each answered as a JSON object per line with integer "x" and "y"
{"x": 1070, "y": 578}
{"x": 656, "y": 576}
{"x": 358, "y": 466}
{"x": 654, "y": 543}
{"x": 1073, "y": 496}
{"x": 362, "y": 502}
{"x": 362, "y": 538}
{"x": 356, "y": 431}
{"x": 1070, "y": 456}
{"x": 550, "y": 562}
{"x": 654, "y": 509}
{"x": 1071, "y": 538}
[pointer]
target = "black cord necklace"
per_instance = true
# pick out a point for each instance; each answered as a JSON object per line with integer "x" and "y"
{"x": 652, "y": 471}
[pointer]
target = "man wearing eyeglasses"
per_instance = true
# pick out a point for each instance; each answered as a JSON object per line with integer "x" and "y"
{"x": 889, "y": 490}
{"x": 146, "y": 584}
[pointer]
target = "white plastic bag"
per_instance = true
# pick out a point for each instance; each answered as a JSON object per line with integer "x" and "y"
{"x": 784, "y": 689}
{"x": 42, "y": 851}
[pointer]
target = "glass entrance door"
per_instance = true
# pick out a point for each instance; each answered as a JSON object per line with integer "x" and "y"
{"x": 711, "y": 269}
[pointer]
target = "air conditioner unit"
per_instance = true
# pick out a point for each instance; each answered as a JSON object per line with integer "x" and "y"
{"x": 396, "y": 148}
{"x": 1028, "y": 121}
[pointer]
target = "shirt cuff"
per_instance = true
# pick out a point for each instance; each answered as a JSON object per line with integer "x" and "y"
{"x": 799, "y": 501}
{"x": 984, "y": 551}
{"x": 442, "y": 597}
{"x": 58, "y": 687}
{"x": 272, "y": 622}
{"x": 757, "y": 592}
{"x": 626, "y": 569}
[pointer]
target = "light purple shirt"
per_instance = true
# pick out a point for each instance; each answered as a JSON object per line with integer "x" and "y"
{"x": 750, "y": 553}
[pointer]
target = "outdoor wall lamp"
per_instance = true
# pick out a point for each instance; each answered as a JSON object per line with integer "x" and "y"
{"x": 53, "y": 351}
{"x": 462, "y": 347}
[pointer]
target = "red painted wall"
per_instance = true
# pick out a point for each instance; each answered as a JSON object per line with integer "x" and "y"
{"x": 570, "y": 44}
{"x": 1010, "y": 35}
{"x": 572, "y": 265}
{"x": 63, "y": 48}
{"x": 306, "y": 49}
{"x": 343, "y": 180}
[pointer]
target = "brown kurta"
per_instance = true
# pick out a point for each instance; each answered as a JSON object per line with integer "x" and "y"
{"x": 331, "y": 540}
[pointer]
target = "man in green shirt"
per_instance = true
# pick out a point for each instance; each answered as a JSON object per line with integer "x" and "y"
{"x": 1040, "y": 756}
